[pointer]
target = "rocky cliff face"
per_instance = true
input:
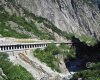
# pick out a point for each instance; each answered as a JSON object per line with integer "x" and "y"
{"x": 16, "y": 21}
{"x": 75, "y": 16}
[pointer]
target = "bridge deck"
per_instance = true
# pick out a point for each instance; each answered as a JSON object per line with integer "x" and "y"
{"x": 6, "y": 45}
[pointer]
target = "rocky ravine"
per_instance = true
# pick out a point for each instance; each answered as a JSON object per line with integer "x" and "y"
{"x": 38, "y": 69}
{"x": 75, "y": 16}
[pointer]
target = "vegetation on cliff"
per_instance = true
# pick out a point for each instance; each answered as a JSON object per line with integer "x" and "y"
{"x": 50, "y": 55}
{"x": 13, "y": 72}
{"x": 93, "y": 73}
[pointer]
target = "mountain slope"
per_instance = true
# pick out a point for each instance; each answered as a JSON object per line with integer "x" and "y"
{"x": 16, "y": 21}
{"x": 73, "y": 16}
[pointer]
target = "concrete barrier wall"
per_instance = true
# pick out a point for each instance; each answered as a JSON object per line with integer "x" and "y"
{"x": 5, "y": 48}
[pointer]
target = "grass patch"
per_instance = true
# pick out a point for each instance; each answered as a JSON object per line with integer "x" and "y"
{"x": 13, "y": 72}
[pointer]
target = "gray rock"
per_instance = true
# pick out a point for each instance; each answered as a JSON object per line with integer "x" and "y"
{"x": 75, "y": 16}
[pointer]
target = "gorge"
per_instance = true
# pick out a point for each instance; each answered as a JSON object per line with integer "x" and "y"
{"x": 29, "y": 21}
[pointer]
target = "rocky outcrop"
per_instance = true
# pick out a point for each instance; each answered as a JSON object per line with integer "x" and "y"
{"x": 75, "y": 16}
{"x": 38, "y": 69}
{"x": 17, "y": 21}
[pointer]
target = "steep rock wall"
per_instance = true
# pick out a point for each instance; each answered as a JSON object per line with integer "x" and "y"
{"x": 15, "y": 21}
{"x": 75, "y": 16}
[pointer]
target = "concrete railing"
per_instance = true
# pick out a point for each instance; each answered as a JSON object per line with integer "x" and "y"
{"x": 12, "y": 46}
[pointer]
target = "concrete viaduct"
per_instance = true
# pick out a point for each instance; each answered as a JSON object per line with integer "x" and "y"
{"x": 14, "y": 46}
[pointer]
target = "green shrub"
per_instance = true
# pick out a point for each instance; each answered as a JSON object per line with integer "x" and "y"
{"x": 68, "y": 35}
{"x": 67, "y": 51}
{"x": 90, "y": 74}
{"x": 28, "y": 26}
{"x": 13, "y": 72}
{"x": 31, "y": 27}
{"x": 6, "y": 31}
{"x": 47, "y": 56}
{"x": 87, "y": 39}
